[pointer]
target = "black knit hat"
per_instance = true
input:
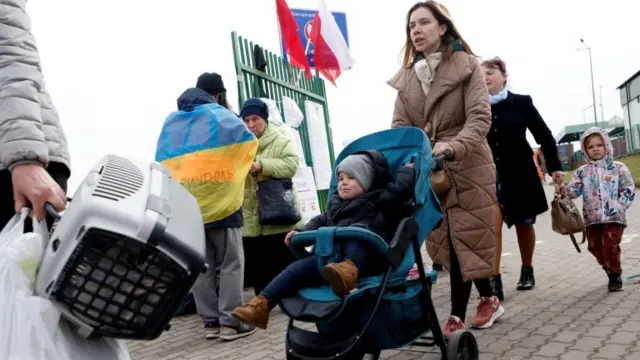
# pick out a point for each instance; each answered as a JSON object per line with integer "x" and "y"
{"x": 255, "y": 106}
{"x": 211, "y": 83}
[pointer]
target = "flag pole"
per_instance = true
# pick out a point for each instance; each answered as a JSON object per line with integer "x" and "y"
{"x": 306, "y": 50}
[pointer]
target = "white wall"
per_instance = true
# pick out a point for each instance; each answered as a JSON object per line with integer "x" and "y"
{"x": 633, "y": 108}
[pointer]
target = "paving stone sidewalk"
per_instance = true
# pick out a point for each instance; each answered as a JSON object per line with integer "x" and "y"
{"x": 570, "y": 314}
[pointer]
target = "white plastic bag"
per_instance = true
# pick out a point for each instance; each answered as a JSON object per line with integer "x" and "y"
{"x": 274, "y": 114}
{"x": 30, "y": 326}
{"x": 292, "y": 114}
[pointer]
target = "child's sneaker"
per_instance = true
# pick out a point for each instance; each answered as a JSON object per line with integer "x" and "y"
{"x": 452, "y": 325}
{"x": 228, "y": 333}
{"x": 615, "y": 283}
{"x": 255, "y": 312}
{"x": 211, "y": 330}
{"x": 341, "y": 276}
{"x": 489, "y": 310}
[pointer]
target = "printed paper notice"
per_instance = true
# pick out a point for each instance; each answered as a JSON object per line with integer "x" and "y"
{"x": 319, "y": 144}
{"x": 307, "y": 195}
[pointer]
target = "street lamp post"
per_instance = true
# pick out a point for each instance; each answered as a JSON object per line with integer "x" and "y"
{"x": 584, "y": 116}
{"x": 601, "y": 106}
{"x": 593, "y": 86}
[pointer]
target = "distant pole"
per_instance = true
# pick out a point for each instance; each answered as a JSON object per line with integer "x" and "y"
{"x": 584, "y": 116}
{"x": 601, "y": 106}
{"x": 593, "y": 86}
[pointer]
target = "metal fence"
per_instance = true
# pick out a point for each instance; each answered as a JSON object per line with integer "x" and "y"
{"x": 262, "y": 73}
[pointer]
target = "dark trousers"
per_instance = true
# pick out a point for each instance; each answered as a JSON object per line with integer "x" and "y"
{"x": 461, "y": 290}
{"x": 306, "y": 272}
{"x": 58, "y": 172}
{"x": 604, "y": 244}
{"x": 265, "y": 257}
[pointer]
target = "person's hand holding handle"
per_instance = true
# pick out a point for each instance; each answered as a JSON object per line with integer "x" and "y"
{"x": 33, "y": 185}
{"x": 439, "y": 159}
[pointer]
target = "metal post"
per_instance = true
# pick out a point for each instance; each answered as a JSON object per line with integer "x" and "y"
{"x": 593, "y": 86}
{"x": 593, "y": 89}
{"x": 584, "y": 116}
{"x": 601, "y": 106}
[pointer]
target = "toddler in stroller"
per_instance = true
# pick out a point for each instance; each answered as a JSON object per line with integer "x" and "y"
{"x": 367, "y": 197}
{"x": 383, "y": 310}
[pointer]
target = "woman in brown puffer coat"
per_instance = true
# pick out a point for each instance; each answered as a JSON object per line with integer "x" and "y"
{"x": 441, "y": 89}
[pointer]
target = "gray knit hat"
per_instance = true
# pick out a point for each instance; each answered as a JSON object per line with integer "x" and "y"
{"x": 360, "y": 167}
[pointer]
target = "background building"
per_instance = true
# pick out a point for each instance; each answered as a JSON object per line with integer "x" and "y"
{"x": 630, "y": 101}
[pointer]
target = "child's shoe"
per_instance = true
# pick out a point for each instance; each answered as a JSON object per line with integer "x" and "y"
{"x": 452, "y": 325}
{"x": 255, "y": 312}
{"x": 615, "y": 283}
{"x": 341, "y": 276}
{"x": 489, "y": 310}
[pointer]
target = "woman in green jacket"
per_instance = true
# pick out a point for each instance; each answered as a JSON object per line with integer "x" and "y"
{"x": 266, "y": 255}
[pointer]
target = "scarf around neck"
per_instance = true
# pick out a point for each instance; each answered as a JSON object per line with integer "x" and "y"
{"x": 494, "y": 99}
{"x": 425, "y": 69}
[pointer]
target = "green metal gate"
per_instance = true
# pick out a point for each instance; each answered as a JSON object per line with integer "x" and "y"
{"x": 262, "y": 73}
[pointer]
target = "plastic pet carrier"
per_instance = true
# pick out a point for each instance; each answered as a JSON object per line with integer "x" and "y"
{"x": 128, "y": 248}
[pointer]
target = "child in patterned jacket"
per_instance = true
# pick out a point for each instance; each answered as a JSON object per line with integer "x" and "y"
{"x": 607, "y": 190}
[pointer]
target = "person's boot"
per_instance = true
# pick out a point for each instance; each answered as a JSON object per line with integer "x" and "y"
{"x": 527, "y": 280}
{"x": 615, "y": 283}
{"x": 341, "y": 276}
{"x": 255, "y": 312}
{"x": 496, "y": 287}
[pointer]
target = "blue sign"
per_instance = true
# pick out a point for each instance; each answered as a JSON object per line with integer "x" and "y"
{"x": 304, "y": 19}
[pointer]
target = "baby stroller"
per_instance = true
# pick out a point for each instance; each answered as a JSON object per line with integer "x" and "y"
{"x": 386, "y": 311}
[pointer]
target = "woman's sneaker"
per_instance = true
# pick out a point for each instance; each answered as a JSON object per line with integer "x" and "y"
{"x": 489, "y": 310}
{"x": 452, "y": 325}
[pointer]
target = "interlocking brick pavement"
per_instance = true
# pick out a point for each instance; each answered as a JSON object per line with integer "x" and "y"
{"x": 570, "y": 315}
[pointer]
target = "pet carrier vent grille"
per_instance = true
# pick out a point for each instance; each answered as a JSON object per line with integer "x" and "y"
{"x": 118, "y": 285}
{"x": 120, "y": 178}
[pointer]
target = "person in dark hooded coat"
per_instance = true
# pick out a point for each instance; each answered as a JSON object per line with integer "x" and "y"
{"x": 367, "y": 197}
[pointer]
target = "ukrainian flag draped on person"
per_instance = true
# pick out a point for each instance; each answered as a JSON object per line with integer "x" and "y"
{"x": 209, "y": 150}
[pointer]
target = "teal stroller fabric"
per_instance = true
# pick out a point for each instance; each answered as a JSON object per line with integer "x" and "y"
{"x": 400, "y": 317}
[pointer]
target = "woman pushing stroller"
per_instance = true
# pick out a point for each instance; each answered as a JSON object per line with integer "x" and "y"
{"x": 367, "y": 196}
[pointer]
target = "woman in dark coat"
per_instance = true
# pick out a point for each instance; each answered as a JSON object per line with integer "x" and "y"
{"x": 520, "y": 192}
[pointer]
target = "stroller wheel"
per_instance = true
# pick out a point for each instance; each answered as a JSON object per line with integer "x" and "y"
{"x": 462, "y": 345}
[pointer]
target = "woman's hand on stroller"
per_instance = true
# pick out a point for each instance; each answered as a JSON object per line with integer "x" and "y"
{"x": 287, "y": 238}
{"x": 442, "y": 148}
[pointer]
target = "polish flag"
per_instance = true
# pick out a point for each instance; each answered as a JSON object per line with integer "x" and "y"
{"x": 331, "y": 54}
{"x": 291, "y": 37}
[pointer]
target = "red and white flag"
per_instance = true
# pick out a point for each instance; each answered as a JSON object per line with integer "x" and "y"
{"x": 291, "y": 38}
{"x": 331, "y": 52}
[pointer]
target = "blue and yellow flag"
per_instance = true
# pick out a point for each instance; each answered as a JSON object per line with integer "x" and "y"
{"x": 209, "y": 151}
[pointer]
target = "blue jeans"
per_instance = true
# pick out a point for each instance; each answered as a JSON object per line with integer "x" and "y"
{"x": 306, "y": 273}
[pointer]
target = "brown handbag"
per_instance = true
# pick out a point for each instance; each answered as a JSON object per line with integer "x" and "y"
{"x": 566, "y": 219}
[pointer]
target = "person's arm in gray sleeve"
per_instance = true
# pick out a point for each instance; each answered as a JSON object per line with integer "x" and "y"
{"x": 22, "y": 139}
{"x": 23, "y": 100}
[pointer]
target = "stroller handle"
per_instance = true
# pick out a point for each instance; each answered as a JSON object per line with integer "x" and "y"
{"x": 440, "y": 159}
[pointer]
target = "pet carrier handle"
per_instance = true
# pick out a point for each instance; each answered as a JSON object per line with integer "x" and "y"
{"x": 52, "y": 211}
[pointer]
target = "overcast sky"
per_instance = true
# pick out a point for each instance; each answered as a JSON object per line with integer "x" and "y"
{"x": 115, "y": 68}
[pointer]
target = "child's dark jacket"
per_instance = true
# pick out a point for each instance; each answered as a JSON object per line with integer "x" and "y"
{"x": 380, "y": 209}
